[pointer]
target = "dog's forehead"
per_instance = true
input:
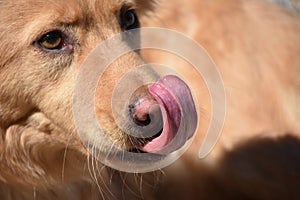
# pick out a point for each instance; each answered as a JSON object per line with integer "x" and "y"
{"x": 28, "y": 19}
{"x": 70, "y": 10}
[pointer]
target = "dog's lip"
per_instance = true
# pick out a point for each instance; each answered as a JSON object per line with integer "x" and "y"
{"x": 175, "y": 99}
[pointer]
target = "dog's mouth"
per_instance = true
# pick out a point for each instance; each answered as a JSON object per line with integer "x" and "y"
{"x": 178, "y": 114}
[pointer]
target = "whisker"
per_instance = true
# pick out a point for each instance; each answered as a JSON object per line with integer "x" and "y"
{"x": 90, "y": 161}
{"x": 100, "y": 172}
{"x": 94, "y": 171}
{"x": 64, "y": 161}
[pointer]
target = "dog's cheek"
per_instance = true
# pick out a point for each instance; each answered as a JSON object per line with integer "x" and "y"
{"x": 55, "y": 101}
{"x": 48, "y": 82}
{"x": 15, "y": 102}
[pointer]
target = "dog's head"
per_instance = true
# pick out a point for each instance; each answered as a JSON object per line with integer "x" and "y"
{"x": 43, "y": 44}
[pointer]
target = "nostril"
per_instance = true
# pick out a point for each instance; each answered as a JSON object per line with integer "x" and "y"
{"x": 139, "y": 115}
{"x": 143, "y": 121}
{"x": 144, "y": 112}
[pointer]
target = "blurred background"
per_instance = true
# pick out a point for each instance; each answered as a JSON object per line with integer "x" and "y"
{"x": 290, "y": 4}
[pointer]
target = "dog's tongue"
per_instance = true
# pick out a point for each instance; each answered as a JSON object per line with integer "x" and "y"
{"x": 179, "y": 113}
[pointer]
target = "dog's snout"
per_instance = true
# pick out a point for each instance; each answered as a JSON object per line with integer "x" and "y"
{"x": 144, "y": 110}
{"x": 145, "y": 116}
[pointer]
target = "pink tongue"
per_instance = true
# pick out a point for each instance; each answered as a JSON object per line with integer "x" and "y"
{"x": 179, "y": 114}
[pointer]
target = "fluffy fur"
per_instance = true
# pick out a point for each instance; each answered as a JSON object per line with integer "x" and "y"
{"x": 256, "y": 47}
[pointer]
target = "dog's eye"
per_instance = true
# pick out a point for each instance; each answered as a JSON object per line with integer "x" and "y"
{"x": 52, "y": 40}
{"x": 128, "y": 20}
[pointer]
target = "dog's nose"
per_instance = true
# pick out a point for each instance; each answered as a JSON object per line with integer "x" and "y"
{"x": 144, "y": 111}
{"x": 145, "y": 115}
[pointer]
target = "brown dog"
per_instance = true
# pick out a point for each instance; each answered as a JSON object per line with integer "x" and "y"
{"x": 43, "y": 44}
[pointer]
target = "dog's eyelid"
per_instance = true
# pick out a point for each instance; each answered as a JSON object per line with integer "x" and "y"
{"x": 127, "y": 6}
{"x": 62, "y": 44}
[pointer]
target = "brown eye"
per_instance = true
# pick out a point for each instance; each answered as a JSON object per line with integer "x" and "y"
{"x": 52, "y": 40}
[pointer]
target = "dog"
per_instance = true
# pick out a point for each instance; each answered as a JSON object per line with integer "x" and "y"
{"x": 43, "y": 45}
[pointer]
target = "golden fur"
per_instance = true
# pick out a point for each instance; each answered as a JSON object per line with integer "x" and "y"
{"x": 256, "y": 47}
